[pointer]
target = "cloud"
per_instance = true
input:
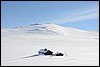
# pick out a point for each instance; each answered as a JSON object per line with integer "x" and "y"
{"x": 87, "y": 14}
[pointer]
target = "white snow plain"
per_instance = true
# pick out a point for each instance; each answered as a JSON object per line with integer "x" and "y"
{"x": 80, "y": 48}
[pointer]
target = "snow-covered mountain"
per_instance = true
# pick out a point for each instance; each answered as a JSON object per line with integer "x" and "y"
{"x": 80, "y": 48}
{"x": 47, "y": 29}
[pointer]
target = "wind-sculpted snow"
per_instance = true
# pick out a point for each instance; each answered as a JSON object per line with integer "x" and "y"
{"x": 20, "y": 46}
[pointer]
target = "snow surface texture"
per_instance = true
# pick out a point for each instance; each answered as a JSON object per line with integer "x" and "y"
{"x": 20, "y": 45}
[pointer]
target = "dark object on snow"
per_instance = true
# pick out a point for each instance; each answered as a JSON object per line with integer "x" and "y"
{"x": 45, "y": 49}
{"x": 58, "y": 54}
{"x": 45, "y": 52}
{"x": 48, "y": 52}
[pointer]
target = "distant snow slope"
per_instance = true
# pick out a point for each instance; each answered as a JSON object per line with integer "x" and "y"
{"x": 80, "y": 48}
{"x": 48, "y": 29}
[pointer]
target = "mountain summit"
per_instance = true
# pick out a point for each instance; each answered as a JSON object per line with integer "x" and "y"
{"x": 47, "y": 29}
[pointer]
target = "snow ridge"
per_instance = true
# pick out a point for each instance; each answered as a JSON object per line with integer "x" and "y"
{"x": 47, "y": 29}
